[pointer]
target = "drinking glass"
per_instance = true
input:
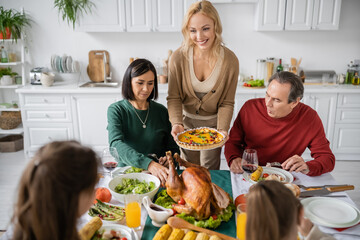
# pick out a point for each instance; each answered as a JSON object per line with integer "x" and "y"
{"x": 133, "y": 211}
{"x": 249, "y": 161}
{"x": 110, "y": 159}
{"x": 241, "y": 221}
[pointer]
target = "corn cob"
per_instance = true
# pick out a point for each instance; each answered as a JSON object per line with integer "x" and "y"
{"x": 90, "y": 228}
{"x": 202, "y": 236}
{"x": 215, "y": 237}
{"x": 177, "y": 234}
{"x": 190, "y": 235}
{"x": 257, "y": 174}
{"x": 163, "y": 233}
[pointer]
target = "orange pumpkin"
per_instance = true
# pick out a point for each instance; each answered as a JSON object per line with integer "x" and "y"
{"x": 103, "y": 194}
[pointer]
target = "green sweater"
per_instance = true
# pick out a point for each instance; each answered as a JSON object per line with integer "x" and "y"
{"x": 132, "y": 141}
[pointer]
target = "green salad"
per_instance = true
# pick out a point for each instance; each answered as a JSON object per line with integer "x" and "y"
{"x": 133, "y": 170}
{"x": 129, "y": 185}
{"x": 163, "y": 199}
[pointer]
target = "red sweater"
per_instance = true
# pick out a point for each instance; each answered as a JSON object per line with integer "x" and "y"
{"x": 276, "y": 140}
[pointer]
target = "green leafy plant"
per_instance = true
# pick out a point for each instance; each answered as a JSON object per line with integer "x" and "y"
{"x": 14, "y": 21}
{"x": 70, "y": 10}
{"x": 7, "y": 71}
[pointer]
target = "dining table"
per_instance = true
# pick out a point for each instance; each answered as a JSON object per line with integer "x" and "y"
{"x": 239, "y": 185}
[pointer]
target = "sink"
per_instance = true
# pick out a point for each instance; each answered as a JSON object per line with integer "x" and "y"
{"x": 100, "y": 84}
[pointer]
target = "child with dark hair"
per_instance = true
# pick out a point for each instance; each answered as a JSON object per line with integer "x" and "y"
{"x": 56, "y": 188}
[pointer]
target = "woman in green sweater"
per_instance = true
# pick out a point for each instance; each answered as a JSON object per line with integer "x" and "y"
{"x": 137, "y": 125}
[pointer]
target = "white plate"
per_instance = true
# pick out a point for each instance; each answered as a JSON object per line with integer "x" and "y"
{"x": 69, "y": 64}
{"x": 272, "y": 170}
{"x": 330, "y": 212}
{"x": 58, "y": 63}
{"x": 52, "y": 62}
{"x": 125, "y": 231}
{"x": 63, "y": 64}
{"x": 76, "y": 66}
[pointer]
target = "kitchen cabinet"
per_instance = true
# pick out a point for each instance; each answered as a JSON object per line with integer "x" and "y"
{"x": 7, "y": 93}
{"x": 90, "y": 112}
{"x": 325, "y": 105}
{"x": 279, "y": 15}
{"x": 347, "y": 127}
{"x": 133, "y": 16}
{"x": 46, "y": 118}
{"x": 154, "y": 15}
{"x": 107, "y": 16}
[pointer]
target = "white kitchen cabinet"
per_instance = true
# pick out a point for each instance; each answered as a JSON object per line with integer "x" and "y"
{"x": 347, "y": 127}
{"x": 325, "y": 105}
{"x": 106, "y": 16}
{"x": 167, "y": 15}
{"x": 90, "y": 112}
{"x": 46, "y": 118}
{"x": 133, "y": 16}
{"x": 278, "y": 15}
{"x": 138, "y": 15}
{"x": 270, "y": 15}
{"x": 153, "y": 15}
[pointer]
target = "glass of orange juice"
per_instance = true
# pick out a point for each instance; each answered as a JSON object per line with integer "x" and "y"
{"x": 133, "y": 211}
{"x": 241, "y": 222}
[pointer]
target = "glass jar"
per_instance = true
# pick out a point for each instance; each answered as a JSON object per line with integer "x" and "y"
{"x": 261, "y": 69}
{"x": 270, "y": 65}
{"x": 352, "y": 68}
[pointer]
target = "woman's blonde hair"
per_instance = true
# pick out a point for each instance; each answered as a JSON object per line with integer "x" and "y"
{"x": 208, "y": 10}
{"x": 272, "y": 209}
{"x": 49, "y": 191}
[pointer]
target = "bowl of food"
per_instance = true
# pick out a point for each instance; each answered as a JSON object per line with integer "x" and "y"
{"x": 134, "y": 183}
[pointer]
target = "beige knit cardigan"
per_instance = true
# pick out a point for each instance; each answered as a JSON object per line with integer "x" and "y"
{"x": 220, "y": 100}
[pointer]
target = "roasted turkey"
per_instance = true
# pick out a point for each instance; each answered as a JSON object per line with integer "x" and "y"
{"x": 202, "y": 197}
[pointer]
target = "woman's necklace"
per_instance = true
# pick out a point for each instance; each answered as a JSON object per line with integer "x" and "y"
{"x": 147, "y": 114}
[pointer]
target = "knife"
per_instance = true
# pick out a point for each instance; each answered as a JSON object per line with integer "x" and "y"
{"x": 326, "y": 191}
{"x": 320, "y": 186}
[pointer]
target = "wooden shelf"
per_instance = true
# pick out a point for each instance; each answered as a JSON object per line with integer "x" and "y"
{"x": 18, "y": 130}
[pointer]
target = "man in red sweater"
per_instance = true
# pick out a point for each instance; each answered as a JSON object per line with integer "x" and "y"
{"x": 280, "y": 128}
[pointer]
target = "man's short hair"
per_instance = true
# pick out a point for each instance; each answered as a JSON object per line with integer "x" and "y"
{"x": 297, "y": 87}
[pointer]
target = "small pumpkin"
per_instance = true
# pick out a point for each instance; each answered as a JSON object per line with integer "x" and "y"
{"x": 103, "y": 194}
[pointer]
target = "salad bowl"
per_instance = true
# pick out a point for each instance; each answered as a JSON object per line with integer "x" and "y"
{"x": 139, "y": 176}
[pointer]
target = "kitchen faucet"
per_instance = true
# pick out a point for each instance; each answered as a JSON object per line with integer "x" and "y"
{"x": 104, "y": 61}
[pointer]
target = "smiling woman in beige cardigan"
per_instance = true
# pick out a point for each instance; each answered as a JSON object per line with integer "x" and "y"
{"x": 203, "y": 77}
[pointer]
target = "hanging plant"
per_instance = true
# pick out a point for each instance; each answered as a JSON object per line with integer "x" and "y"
{"x": 70, "y": 10}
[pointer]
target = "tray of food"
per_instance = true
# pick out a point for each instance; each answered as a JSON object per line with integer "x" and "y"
{"x": 203, "y": 138}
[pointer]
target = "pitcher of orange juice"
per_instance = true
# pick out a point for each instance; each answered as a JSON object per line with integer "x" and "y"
{"x": 133, "y": 211}
{"x": 241, "y": 222}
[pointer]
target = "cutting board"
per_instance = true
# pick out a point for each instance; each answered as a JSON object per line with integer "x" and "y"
{"x": 95, "y": 68}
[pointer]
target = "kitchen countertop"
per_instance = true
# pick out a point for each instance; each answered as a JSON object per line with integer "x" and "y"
{"x": 74, "y": 88}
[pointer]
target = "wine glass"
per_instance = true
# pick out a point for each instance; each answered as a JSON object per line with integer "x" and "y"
{"x": 110, "y": 159}
{"x": 249, "y": 161}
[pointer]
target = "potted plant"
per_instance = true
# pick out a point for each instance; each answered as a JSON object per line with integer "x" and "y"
{"x": 70, "y": 10}
{"x": 12, "y": 23}
{"x": 7, "y": 76}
